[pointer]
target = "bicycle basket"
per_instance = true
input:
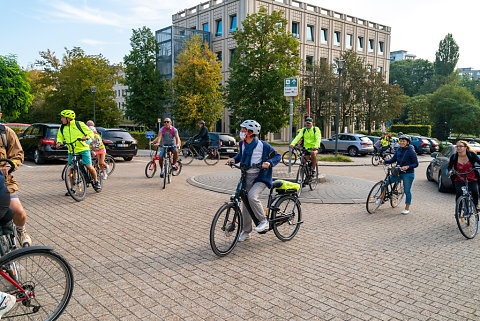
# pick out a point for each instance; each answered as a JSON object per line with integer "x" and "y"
{"x": 395, "y": 171}
{"x": 284, "y": 187}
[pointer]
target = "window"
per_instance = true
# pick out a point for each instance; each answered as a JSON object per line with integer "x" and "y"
{"x": 324, "y": 34}
{"x": 219, "y": 56}
{"x": 379, "y": 69}
{"x": 349, "y": 42}
{"x": 310, "y": 31}
{"x": 232, "y": 55}
{"x": 309, "y": 62}
{"x": 218, "y": 32}
{"x": 380, "y": 48}
{"x": 233, "y": 23}
{"x": 370, "y": 45}
{"x": 119, "y": 105}
{"x": 336, "y": 38}
{"x": 296, "y": 29}
{"x": 205, "y": 27}
{"x": 123, "y": 92}
{"x": 360, "y": 44}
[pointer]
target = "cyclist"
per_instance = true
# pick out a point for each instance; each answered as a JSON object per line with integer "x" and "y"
{"x": 396, "y": 142}
{"x": 98, "y": 148}
{"x": 255, "y": 151}
{"x": 463, "y": 161}
{"x": 202, "y": 139}
{"x": 386, "y": 142}
{"x": 168, "y": 136}
{"x": 406, "y": 158}
{"x": 10, "y": 148}
{"x": 311, "y": 140}
{"x": 72, "y": 130}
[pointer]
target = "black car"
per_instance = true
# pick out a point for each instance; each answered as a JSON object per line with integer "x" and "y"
{"x": 226, "y": 144}
{"x": 118, "y": 142}
{"x": 38, "y": 142}
{"x": 421, "y": 145}
{"x": 434, "y": 147}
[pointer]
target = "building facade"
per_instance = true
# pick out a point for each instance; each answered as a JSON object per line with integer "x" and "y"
{"x": 120, "y": 91}
{"x": 469, "y": 72}
{"x": 323, "y": 35}
{"x": 401, "y": 55}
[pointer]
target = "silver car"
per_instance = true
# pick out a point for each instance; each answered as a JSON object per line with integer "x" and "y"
{"x": 353, "y": 144}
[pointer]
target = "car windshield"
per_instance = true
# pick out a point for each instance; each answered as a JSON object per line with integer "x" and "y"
{"x": 52, "y": 132}
{"x": 225, "y": 137}
{"x": 365, "y": 139}
{"x": 120, "y": 134}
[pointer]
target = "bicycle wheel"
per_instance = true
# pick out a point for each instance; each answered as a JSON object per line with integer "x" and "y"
{"x": 375, "y": 159}
{"x": 287, "y": 217}
{"x": 170, "y": 169}
{"x": 110, "y": 164}
{"x": 313, "y": 181}
{"x": 150, "y": 169}
{"x": 397, "y": 194}
{"x": 63, "y": 171}
{"x": 213, "y": 156}
{"x": 300, "y": 178}
{"x": 225, "y": 229}
{"x": 75, "y": 183}
{"x": 375, "y": 197}
{"x": 286, "y": 155}
{"x": 165, "y": 172}
{"x": 99, "y": 179}
{"x": 47, "y": 280}
{"x": 176, "y": 172}
{"x": 185, "y": 155}
{"x": 467, "y": 217}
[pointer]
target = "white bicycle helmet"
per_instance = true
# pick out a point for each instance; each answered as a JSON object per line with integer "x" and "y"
{"x": 251, "y": 125}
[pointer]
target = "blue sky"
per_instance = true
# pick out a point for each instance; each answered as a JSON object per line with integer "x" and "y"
{"x": 104, "y": 26}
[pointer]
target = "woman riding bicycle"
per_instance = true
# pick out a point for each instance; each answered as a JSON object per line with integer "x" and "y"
{"x": 463, "y": 161}
{"x": 255, "y": 151}
{"x": 406, "y": 158}
{"x": 98, "y": 148}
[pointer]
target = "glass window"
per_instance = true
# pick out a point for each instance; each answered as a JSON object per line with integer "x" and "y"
{"x": 310, "y": 31}
{"x": 379, "y": 69}
{"x": 309, "y": 62}
{"x": 232, "y": 54}
{"x": 205, "y": 27}
{"x": 52, "y": 132}
{"x": 370, "y": 45}
{"x": 349, "y": 42}
{"x": 380, "y": 48}
{"x": 324, "y": 34}
{"x": 360, "y": 44}
{"x": 336, "y": 38}
{"x": 28, "y": 131}
{"x": 233, "y": 23}
{"x": 35, "y": 131}
{"x": 118, "y": 134}
{"x": 296, "y": 29}
{"x": 219, "y": 56}
{"x": 218, "y": 32}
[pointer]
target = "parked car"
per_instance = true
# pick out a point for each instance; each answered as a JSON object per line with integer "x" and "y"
{"x": 434, "y": 146}
{"x": 437, "y": 170}
{"x": 421, "y": 145}
{"x": 353, "y": 144}
{"x": 38, "y": 142}
{"x": 374, "y": 139}
{"x": 18, "y": 127}
{"x": 226, "y": 143}
{"x": 118, "y": 142}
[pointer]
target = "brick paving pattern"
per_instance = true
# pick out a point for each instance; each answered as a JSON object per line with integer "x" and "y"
{"x": 142, "y": 253}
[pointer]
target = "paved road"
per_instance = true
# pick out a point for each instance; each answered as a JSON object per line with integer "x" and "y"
{"x": 142, "y": 253}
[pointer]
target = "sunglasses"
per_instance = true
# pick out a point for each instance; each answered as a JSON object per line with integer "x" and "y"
{"x": 166, "y": 121}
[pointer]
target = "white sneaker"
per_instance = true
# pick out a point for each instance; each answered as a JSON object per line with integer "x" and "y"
{"x": 405, "y": 212}
{"x": 105, "y": 175}
{"x": 243, "y": 236}
{"x": 7, "y": 301}
{"x": 378, "y": 202}
{"x": 262, "y": 226}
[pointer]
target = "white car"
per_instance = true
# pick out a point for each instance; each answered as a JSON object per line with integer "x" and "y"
{"x": 353, "y": 144}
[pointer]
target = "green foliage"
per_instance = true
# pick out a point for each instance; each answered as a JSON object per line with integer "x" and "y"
{"x": 147, "y": 89}
{"x": 418, "y": 110}
{"x": 411, "y": 75}
{"x": 338, "y": 158}
{"x": 446, "y": 57}
{"x": 422, "y": 130}
{"x": 266, "y": 55}
{"x": 15, "y": 97}
{"x": 66, "y": 84}
{"x": 197, "y": 92}
{"x": 141, "y": 139}
{"x": 473, "y": 85}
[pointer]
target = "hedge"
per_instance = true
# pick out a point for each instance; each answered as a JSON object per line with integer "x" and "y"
{"x": 141, "y": 138}
{"x": 423, "y": 130}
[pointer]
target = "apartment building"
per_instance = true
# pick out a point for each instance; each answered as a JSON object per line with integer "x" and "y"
{"x": 401, "y": 55}
{"x": 120, "y": 91}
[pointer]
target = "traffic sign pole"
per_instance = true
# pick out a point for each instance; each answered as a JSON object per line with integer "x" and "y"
{"x": 290, "y": 136}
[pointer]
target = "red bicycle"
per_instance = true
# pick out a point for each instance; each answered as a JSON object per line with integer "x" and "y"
{"x": 151, "y": 167}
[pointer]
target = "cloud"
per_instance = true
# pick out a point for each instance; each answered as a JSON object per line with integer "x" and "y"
{"x": 84, "y": 14}
{"x": 93, "y": 42}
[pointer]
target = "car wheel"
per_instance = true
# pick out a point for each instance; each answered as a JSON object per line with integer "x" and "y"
{"x": 441, "y": 186}
{"x": 322, "y": 149}
{"x": 429, "y": 173}
{"x": 37, "y": 158}
{"x": 129, "y": 158}
{"x": 352, "y": 151}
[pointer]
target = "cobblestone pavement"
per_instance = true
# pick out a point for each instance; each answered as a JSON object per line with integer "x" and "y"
{"x": 142, "y": 253}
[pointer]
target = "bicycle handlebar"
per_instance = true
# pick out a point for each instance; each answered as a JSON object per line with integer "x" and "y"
{"x": 454, "y": 171}
{"x": 243, "y": 166}
{"x": 302, "y": 149}
{"x": 12, "y": 165}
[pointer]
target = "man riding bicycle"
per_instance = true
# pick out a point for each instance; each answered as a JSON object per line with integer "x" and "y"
{"x": 72, "y": 130}
{"x": 202, "y": 139}
{"x": 386, "y": 142}
{"x": 254, "y": 151}
{"x": 168, "y": 136}
{"x": 311, "y": 140}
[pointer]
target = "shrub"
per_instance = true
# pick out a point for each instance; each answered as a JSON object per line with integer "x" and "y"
{"x": 423, "y": 130}
{"x": 338, "y": 158}
{"x": 141, "y": 138}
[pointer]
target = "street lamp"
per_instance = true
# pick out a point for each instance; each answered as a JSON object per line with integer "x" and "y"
{"x": 93, "y": 89}
{"x": 340, "y": 64}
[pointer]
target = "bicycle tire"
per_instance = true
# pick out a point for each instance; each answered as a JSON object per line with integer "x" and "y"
{"x": 74, "y": 174}
{"x": 313, "y": 181}
{"x": 285, "y": 158}
{"x": 286, "y": 222}
{"x": 466, "y": 216}
{"x": 63, "y": 171}
{"x": 230, "y": 225}
{"x": 110, "y": 161}
{"x": 375, "y": 197}
{"x": 300, "y": 178}
{"x": 375, "y": 159}
{"x": 213, "y": 156}
{"x": 177, "y": 171}
{"x": 150, "y": 169}
{"x": 47, "y": 277}
{"x": 185, "y": 155}
{"x": 169, "y": 172}
{"x": 398, "y": 192}
{"x": 99, "y": 172}
{"x": 165, "y": 172}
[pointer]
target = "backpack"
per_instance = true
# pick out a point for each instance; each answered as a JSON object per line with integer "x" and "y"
{"x": 314, "y": 129}
{"x": 77, "y": 123}
{"x": 172, "y": 130}
{"x": 3, "y": 133}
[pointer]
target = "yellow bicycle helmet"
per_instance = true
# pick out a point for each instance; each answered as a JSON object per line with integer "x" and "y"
{"x": 67, "y": 113}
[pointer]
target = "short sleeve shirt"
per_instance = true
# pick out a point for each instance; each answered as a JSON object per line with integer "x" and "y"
{"x": 168, "y": 139}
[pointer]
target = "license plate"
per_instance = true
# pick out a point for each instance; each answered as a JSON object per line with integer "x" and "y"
{"x": 122, "y": 145}
{"x": 230, "y": 151}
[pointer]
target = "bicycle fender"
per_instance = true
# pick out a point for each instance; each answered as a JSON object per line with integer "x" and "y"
{"x": 25, "y": 250}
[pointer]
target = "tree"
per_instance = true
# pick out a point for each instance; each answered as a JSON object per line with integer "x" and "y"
{"x": 411, "y": 75}
{"x": 446, "y": 57}
{"x": 67, "y": 85}
{"x": 147, "y": 89}
{"x": 266, "y": 54}
{"x": 418, "y": 110}
{"x": 473, "y": 85}
{"x": 197, "y": 90}
{"x": 15, "y": 97}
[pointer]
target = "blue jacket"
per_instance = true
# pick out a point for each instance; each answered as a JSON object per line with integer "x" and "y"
{"x": 265, "y": 175}
{"x": 403, "y": 157}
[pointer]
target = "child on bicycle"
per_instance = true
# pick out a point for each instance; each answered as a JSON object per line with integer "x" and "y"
{"x": 98, "y": 148}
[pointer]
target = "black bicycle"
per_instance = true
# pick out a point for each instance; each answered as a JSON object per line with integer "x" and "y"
{"x": 386, "y": 190}
{"x": 466, "y": 213}
{"x": 109, "y": 161}
{"x": 378, "y": 154}
{"x": 305, "y": 174}
{"x": 286, "y": 157}
{"x": 284, "y": 214}
{"x": 210, "y": 154}
{"x": 78, "y": 178}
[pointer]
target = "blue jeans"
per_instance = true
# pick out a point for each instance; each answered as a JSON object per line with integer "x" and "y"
{"x": 407, "y": 184}
{"x": 163, "y": 150}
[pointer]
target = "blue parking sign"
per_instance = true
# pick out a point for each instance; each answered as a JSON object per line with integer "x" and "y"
{"x": 150, "y": 134}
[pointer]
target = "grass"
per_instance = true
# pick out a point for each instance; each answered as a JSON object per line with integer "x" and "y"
{"x": 338, "y": 158}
